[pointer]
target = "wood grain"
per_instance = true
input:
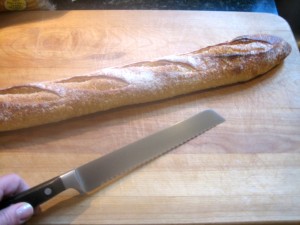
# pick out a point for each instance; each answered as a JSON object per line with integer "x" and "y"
{"x": 245, "y": 170}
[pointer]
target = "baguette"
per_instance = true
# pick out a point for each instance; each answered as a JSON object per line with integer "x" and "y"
{"x": 231, "y": 62}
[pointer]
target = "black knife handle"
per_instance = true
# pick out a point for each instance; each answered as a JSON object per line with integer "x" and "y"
{"x": 36, "y": 195}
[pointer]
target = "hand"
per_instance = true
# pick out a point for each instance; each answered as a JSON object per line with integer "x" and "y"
{"x": 18, "y": 213}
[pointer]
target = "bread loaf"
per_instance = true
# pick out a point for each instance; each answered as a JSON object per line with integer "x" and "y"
{"x": 231, "y": 62}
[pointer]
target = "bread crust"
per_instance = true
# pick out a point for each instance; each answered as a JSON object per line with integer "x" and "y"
{"x": 239, "y": 60}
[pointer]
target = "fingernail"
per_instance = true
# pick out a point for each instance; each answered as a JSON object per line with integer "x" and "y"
{"x": 24, "y": 212}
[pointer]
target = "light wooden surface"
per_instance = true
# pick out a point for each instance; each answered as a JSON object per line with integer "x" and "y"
{"x": 245, "y": 170}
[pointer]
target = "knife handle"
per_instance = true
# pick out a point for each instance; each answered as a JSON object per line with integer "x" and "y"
{"x": 36, "y": 195}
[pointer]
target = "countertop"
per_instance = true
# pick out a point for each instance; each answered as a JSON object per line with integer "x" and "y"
{"x": 207, "y": 5}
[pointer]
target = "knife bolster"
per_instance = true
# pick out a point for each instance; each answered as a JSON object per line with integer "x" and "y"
{"x": 71, "y": 180}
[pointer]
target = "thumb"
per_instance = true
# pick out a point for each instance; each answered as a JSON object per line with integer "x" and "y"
{"x": 16, "y": 214}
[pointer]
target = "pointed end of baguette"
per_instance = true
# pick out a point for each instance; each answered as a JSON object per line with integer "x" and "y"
{"x": 278, "y": 43}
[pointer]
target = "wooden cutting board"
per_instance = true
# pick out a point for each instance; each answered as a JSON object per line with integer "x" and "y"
{"x": 245, "y": 170}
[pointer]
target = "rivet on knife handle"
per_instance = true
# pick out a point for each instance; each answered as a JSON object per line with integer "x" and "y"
{"x": 99, "y": 171}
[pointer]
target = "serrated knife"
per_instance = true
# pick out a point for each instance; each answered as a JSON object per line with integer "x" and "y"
{"x": 99, "y": 171}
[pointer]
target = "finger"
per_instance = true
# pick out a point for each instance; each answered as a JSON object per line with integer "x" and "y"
{"x": 16, "y": 214}
{"x": 11, "y": 184}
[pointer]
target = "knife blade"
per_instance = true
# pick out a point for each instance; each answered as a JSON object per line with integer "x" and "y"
{"x": 98, "y": 172}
